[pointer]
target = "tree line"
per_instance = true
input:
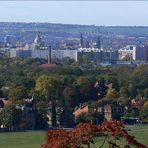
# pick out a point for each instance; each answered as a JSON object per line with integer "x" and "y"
{"x": 70, "y": 85}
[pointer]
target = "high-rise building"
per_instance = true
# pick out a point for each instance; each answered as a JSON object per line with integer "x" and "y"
{"x": 141, "y": 53}
{"x": 131, "y": 52}
{"x": 126, "y": 53}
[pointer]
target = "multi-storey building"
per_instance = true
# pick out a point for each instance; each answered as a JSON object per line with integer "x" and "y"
{"x": 140, "y": 53}
{"x": 43, "y": 53}
{"x": 126, "y": 53}
{"x": 136, "y": 53}
{"x": 96, "y": 54}
{"x": 20, "y": 52}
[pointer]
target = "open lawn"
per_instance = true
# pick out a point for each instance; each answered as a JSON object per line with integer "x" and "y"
{"x": 33, "y": 139}
{"x": 28, "y": 139}
{"x": 139, "y": 131}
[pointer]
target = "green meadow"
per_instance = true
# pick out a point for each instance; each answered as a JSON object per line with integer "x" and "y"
{"x": 33, "y": 139}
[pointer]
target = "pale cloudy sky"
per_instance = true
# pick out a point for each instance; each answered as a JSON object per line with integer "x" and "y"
{"x": 76, "y": 12}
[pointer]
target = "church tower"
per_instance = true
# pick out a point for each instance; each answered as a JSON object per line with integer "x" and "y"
{"x": 98, "y": 43}
{"x": 81, "y": 41}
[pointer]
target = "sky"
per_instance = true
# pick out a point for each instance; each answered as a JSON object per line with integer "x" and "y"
{"x": 108, "y": 13}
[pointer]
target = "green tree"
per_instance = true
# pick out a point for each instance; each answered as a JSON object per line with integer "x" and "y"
{"x": 50, "y": 87}
{"x": 132, "y": 111}
{"x": 146, "y": 92}
{"x": 101, "y": 88}
{"x": 143, "y": 114}
{"x": 124, "y": 91}
{"x": 41, "y": 115}
{"x": 70, "y": 97}
{"x": 85, "y": 85}
{"x": 67, "y": 61}
{"x": 132, "y": 89}
{"x": 18, "y": 93}
{"x": 146, "y": 104}
{"x": 112, "y": 94}
{"x": 10, "y": 117}
{"x": 53, "y": 114}
{"x": 91, "y": 116}
{"x": 66, "y": 118}
{"x": 85, "y": 59}
{"x": 124, "y": 101}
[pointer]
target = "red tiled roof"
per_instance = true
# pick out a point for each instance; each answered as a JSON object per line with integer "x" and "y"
{"x": 80, "y": 110}
{"x": 47, "y": 65}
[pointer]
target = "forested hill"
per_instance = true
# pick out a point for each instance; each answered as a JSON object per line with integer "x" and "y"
{"x": 73, "y": 28}
{"x": 126, "y": 30}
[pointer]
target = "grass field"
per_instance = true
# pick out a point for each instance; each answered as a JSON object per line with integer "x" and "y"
{"x": 33, "y": 139}
{"x": 139, "y": 131}
{"x": 28, "y": 139}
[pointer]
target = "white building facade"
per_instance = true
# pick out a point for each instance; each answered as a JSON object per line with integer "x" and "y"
{"x": 136, "y": 53}
{"x": 93, "y": 54}
{"x": 127, "y": 52}
{"x": 43, "y": 53}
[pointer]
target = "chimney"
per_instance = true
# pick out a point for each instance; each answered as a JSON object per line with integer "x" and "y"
{"x": 49, "y": 55}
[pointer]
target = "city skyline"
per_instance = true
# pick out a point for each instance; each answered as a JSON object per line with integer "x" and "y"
{"x": 108, "y": 13}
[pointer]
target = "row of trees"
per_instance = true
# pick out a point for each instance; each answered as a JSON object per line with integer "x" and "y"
{"x": 70, "y": 85}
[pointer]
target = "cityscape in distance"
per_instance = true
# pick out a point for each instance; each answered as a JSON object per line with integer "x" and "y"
{"x": 74, "y": 83}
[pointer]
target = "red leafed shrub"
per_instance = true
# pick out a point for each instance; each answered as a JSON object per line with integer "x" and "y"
{"x": 85, "y": 133}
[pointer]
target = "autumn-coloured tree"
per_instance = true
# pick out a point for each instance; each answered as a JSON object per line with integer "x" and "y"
{"x": 85, "y": 133}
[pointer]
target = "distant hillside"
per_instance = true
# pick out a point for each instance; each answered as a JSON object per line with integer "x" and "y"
{"x": 113, "y": 37}
{"x": 126, "y": 30}
{"x": 68, "y": 28}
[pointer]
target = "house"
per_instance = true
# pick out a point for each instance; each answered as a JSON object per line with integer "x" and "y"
{"x": 112, "y": 111}
{"x": 47, "y": 66}
{"x": 138, "y": 102}
{"x": 80, "y": 110}
{"x": 27, "y": 113}
{"x": 59, "y": 110}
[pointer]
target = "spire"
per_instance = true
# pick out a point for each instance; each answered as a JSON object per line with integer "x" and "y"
{"x": 98, "y": 43}
{"x": 49, "y": 55}
{"x": 87, "y": 44}
{"x": 81, "y": 41}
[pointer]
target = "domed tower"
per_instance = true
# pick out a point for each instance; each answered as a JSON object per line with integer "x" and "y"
{"x": 37, "y": 41}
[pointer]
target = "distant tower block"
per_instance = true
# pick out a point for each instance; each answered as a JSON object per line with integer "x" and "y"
{"x": 49, "y": 55}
